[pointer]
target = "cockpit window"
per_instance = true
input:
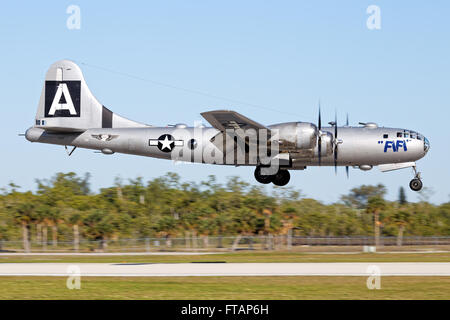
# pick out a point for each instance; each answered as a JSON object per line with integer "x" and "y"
{"x": 426, "y": 144}
{"x": 413, "y": 135}
{"x": 399, "y": 134}
{"x": 406, "y": 134}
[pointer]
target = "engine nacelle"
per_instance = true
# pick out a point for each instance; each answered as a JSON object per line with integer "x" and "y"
{"x": 327, "y": 144}
{"x": 296, "y": 135}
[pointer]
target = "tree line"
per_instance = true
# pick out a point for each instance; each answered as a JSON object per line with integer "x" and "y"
{"x": 64, "y": 208}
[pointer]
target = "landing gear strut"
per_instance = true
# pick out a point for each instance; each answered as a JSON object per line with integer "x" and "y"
{"x": 416, "y": 183}
{"x": 281, "y": 178}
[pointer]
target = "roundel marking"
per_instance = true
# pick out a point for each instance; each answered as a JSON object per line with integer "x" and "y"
{"x": 165, "y": 142}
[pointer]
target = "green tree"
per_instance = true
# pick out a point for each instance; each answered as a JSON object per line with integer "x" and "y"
{"x": 402, "y": 197}
{"x": 374, "y": 206}
{"x": 358, "y": 197}
{"x": 99, "y": 226}
{"x": 401, "y": 219}
{"x": 22, "y": 206}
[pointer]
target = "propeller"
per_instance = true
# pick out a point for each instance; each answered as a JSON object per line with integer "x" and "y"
{"x": 320, "y": 137}
{"x": 346, "y": 167}
{"x": 335, "y": 142}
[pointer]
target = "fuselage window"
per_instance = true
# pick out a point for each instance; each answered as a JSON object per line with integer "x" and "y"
{"x": 385, "y": 136}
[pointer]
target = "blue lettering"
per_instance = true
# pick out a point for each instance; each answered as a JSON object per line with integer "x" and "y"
{"x": 389, "y": 144}
{"x": 395, "y": 145}
{"x": 402, "y": 143}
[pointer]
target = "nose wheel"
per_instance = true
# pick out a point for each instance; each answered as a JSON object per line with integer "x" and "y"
{"x": 281, "y": 178}
{"x": 416, "y": 183}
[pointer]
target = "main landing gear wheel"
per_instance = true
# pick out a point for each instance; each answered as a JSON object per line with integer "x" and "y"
{"x": 416, "y": 183}
{"x": 264, "y": 179}
{"x": 281, "y": 178}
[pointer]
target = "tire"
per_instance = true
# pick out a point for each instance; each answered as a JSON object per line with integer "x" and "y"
{"x": 282, "y": 178}
{"x": 415, "y": 184}
{"x": 262, "y": 178}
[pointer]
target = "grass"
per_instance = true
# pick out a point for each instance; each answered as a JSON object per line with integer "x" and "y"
{"x": 240, "y": 257}
{"x": 264, "y": 288}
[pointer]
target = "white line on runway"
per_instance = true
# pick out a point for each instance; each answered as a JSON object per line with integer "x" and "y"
{"x": 226, "y": 269}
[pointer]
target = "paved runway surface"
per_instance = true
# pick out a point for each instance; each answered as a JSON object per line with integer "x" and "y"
{"x": 225, "y": 269}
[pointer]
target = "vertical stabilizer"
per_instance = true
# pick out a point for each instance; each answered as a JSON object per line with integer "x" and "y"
{"x": 67, "y": 104}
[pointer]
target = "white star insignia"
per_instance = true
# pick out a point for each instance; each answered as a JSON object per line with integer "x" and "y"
{"x": 166, "y": 143}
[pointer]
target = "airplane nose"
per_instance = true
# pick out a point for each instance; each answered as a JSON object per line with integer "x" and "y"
{"x": 426, "y": 145}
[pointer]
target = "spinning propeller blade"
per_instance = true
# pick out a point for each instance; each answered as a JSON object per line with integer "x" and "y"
{"x": 335, "y": 142}
{"x": 346, "y": 167}
{"x": 320, "y": 137}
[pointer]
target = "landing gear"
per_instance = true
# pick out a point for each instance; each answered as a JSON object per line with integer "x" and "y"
{"x": 264, "y": 179}
{"x": 281, "y": 178}
{"x": 416, "y": 183}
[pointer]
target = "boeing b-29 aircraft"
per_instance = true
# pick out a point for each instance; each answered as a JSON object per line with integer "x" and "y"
{"x": 69, "y": 115}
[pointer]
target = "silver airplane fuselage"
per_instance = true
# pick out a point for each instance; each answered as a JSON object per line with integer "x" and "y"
{"x": 359, "y": 145}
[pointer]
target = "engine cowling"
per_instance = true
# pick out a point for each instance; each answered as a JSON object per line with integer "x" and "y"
{"x": 295, "y": 136}
{"x": 327, "y": 144}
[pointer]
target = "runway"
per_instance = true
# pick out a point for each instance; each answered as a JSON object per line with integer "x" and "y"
{"x": 225, "y": 269}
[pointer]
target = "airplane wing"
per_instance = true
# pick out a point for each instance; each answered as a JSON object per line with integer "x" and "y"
{"x": 227, "y": 119}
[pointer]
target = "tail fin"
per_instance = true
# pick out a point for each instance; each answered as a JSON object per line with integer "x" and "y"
{"x": 67, "y": 104}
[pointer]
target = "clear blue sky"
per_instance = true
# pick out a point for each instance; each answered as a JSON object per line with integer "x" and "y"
{"x": 283, "y": 55}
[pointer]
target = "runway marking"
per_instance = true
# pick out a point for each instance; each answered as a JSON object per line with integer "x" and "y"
{"x": 226, "y": 269}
